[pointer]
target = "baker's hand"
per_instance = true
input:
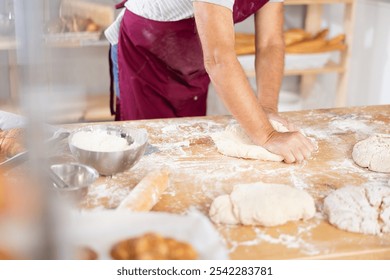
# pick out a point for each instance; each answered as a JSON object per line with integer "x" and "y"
{"x": 276, "y": 117}
{"x": 292, "y": 146}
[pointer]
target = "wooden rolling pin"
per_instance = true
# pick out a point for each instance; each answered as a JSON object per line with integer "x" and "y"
{"x": 147, "y": 192}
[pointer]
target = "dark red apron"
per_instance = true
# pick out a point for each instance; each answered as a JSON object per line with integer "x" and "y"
{"x": 161, "y": 70}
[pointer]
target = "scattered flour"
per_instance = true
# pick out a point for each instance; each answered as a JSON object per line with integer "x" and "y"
{"x": 298, "y": 240}
{"x": 350, "y": 125}
{"x": 184, "y": 146}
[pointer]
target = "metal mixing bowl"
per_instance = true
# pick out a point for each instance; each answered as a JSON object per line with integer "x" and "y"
{"x": 76, "y": 178}
{"x": 109, "y": 163}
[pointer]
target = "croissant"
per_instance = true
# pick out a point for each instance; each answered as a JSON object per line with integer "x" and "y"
{"x": 11, "y": 142}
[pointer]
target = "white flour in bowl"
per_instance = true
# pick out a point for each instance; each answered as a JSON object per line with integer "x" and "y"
{"x": 99, "y": 141}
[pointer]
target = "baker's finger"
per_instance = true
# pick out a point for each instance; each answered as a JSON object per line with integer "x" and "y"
{"x": 305, "y": 152}
{"x": 298, "y": 155}
{"x": 292, "y": 127}
{"x": 289, "y": 157}
{"x": 310, "y": 144}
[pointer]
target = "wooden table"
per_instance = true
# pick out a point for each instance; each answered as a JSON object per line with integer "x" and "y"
{"x": 200, "y": 173}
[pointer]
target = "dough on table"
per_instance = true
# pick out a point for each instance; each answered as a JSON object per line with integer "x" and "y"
{"x": 234, "y": 142}
{"x": 262, "y": 204}
{"x": 373, "y": 152}
{"x": 359, "y": 209}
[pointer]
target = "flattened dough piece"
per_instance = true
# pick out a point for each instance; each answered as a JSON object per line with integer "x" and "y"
{"x": 373, "y": 152}
{"x": 234, "y": 142}
{"x": 262, "y": 204}
{"x": 359, "y": 209}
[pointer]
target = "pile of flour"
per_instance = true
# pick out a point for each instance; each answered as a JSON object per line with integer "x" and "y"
{"x": 99, "y": 141}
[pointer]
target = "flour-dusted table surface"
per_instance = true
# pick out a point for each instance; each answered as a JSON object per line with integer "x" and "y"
{"x": 199, "y": 174}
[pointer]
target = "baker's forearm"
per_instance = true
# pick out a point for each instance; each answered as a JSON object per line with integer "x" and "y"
{"x": 269, "y": 65}
{"x": 216, "y": 32}
{"x": 233, "y": 88}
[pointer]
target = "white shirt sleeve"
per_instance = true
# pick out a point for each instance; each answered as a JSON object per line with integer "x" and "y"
{"x": 225, "y": 3}
{"x": 112, "y": 32}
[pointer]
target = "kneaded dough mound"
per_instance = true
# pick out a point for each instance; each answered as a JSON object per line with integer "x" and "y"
{"x": 262, "y": 204}
{"x": 359, "y": 209}
{"x": 373, "y": 152}
{"x": 234, "y": 142}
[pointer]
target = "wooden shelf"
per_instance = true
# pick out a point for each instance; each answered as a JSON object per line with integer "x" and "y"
{"x": 330, "y": 67}
{"x": 310, "y": 2}
{"x": 78, "y": 44}
{"x": 313, "y": 23}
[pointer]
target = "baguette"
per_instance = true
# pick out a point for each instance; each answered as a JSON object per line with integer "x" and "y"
{"x": 337, "y": 40}
{"x": 293, "y": 36}
{"x": 147, "y": 193}
{"x": 245, "y": 49}
{"x": 331, "y": 48}
{"x": 240, "y": 37}
{"x": 322, "y": 34}
{"x": 307, "y": 46}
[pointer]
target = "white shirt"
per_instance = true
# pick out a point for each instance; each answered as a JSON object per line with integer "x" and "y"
{"x": 161, "y": 10}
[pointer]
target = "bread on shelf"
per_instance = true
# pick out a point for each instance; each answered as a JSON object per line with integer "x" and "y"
{"x": 297, "y": 41}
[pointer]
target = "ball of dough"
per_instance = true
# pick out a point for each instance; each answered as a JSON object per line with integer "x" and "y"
{"x": 373, "y": 153}
{"x": 262, "y": 204}
{"x": 234, "y": 142}
{"x": 359, "y": 209}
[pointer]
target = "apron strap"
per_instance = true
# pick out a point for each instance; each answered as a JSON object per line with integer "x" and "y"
{"x": 111, "y": 70}
{"x": 112, "y": 91}
{"x": 121, "y": 4}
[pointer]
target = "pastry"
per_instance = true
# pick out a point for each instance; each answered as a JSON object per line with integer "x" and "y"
{"x": 4, "y": 255}
{"x": 85, "y": 253}
{"x": 11, "y": 142}
{"x": 152, "y": 246}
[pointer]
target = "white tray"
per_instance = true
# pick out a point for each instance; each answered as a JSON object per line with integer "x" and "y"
{"x": 306, "y": 61}
{"x": 292, "y": 61}
{"x": 101, "y": 230}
